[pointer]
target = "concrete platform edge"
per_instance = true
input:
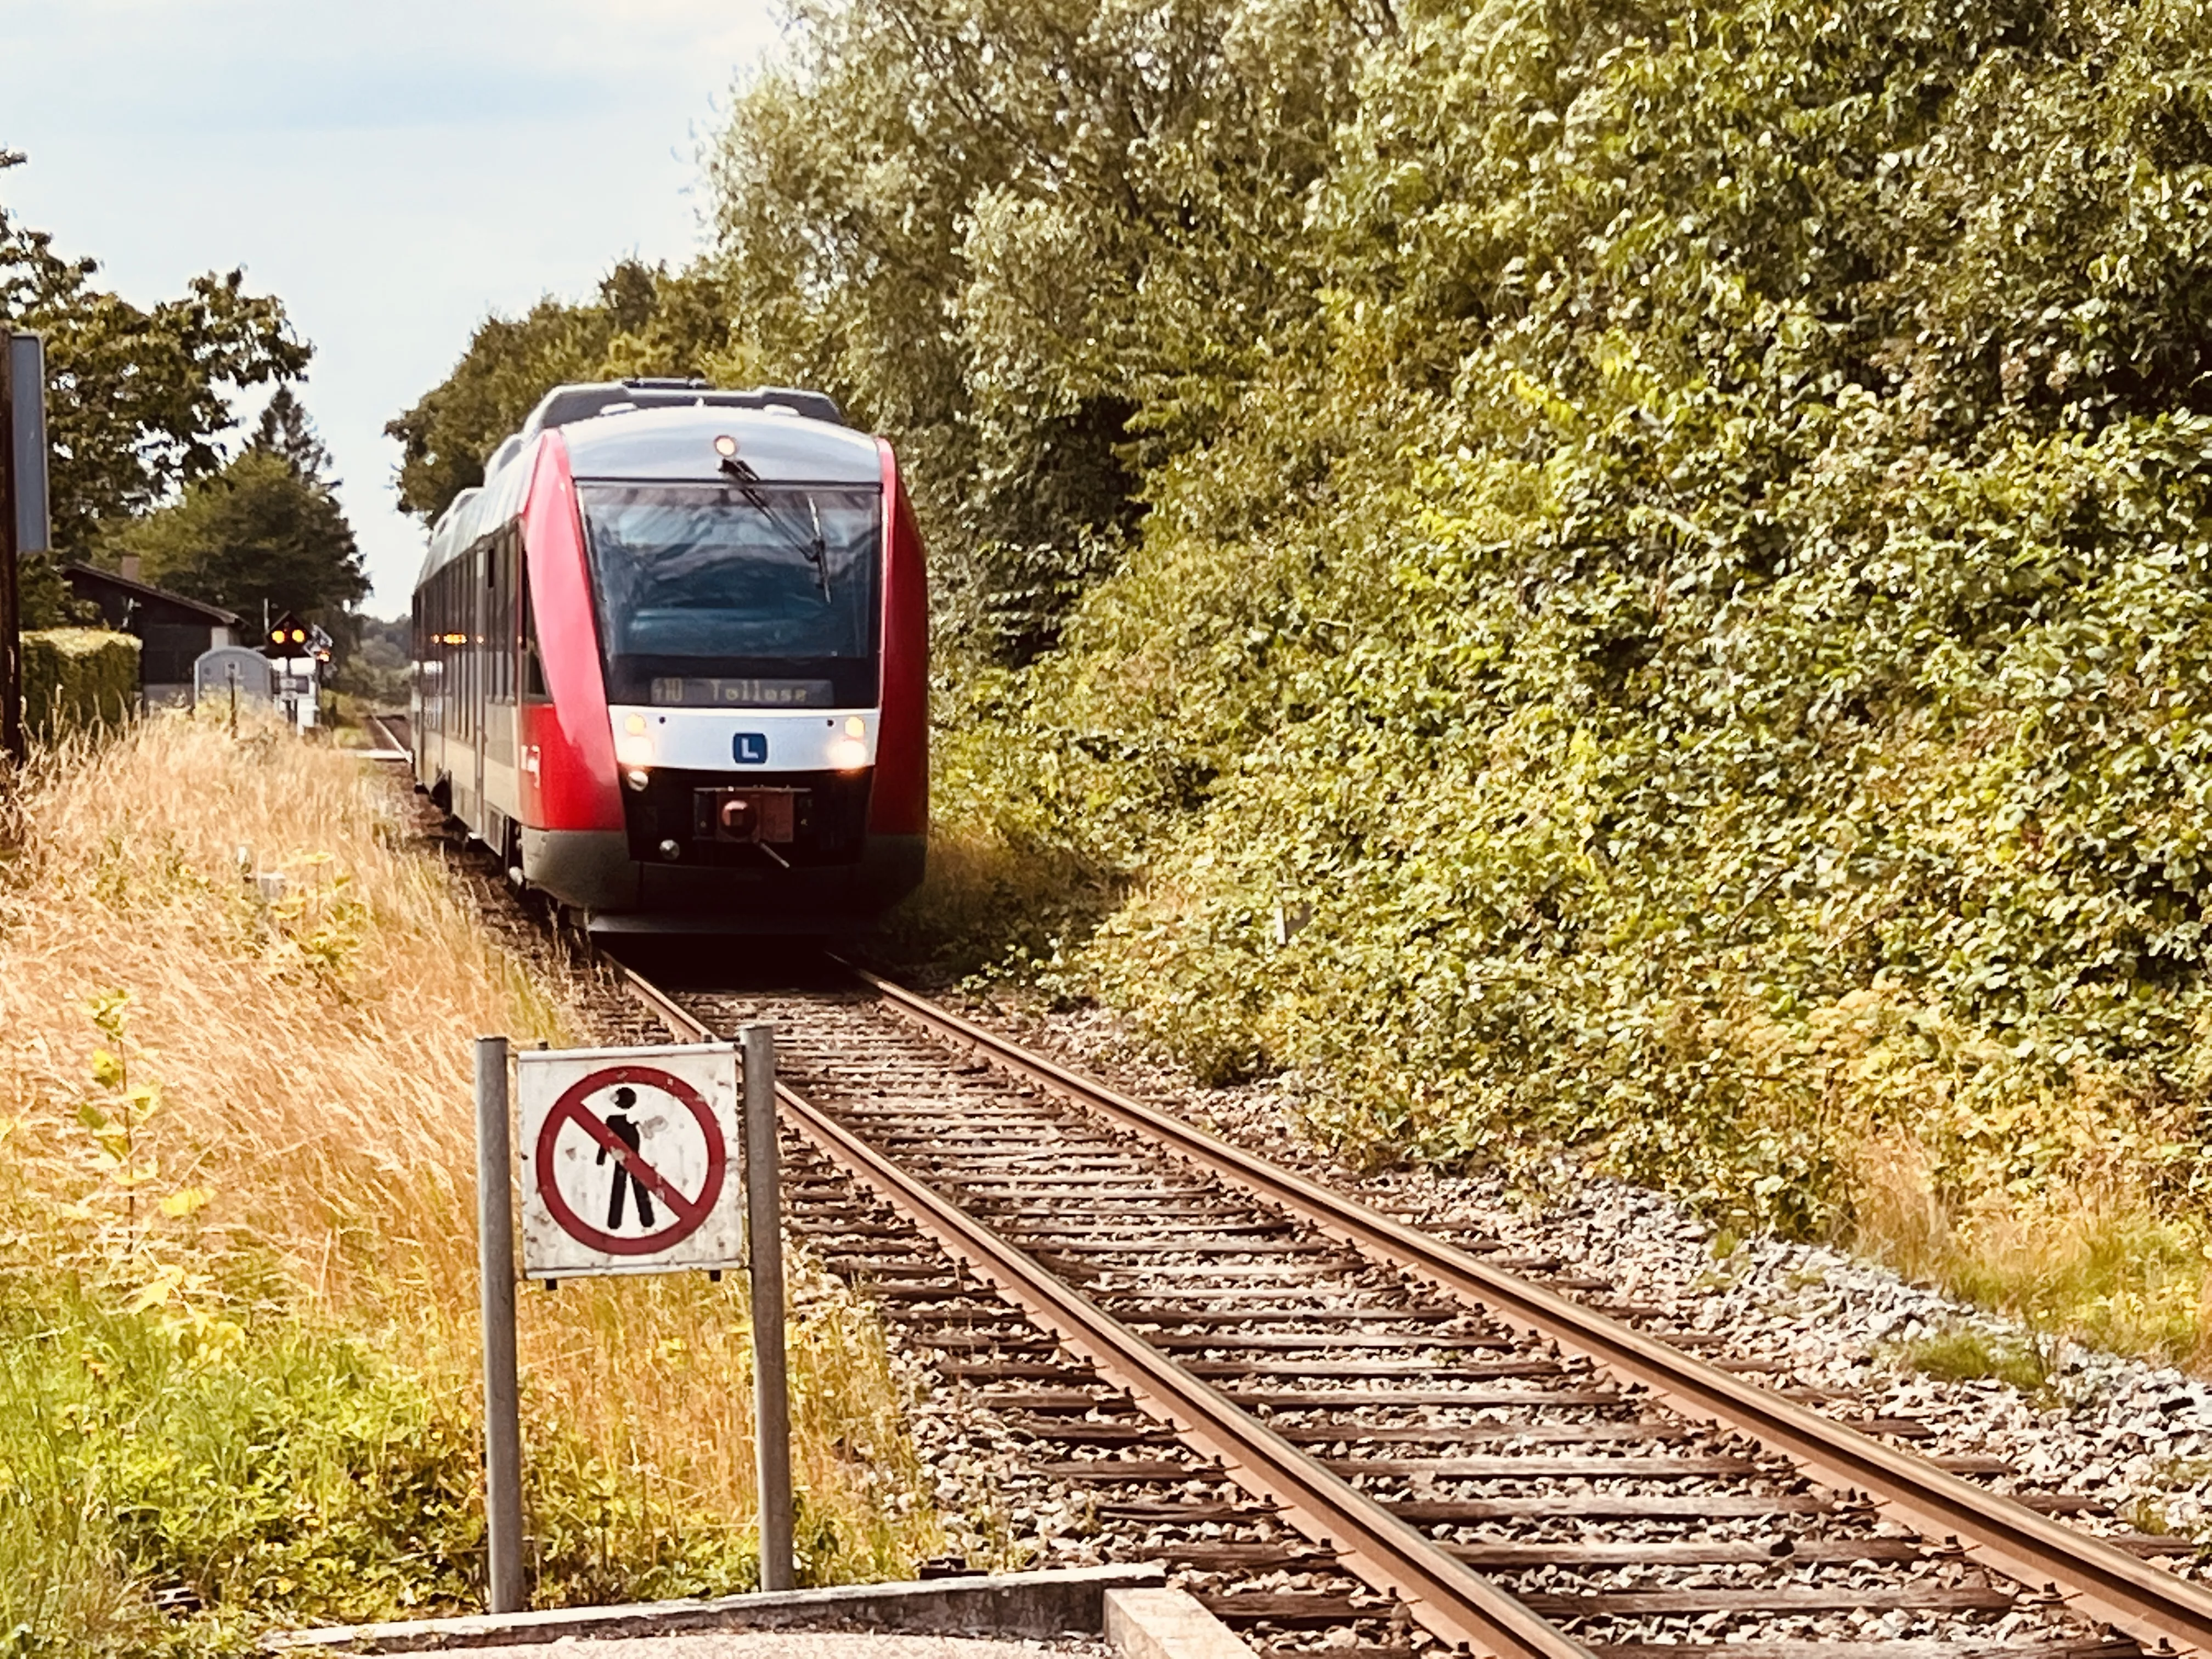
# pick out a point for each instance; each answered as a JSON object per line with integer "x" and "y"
{"x": 1167, "y": 1624}
{"x": 997, "y": 1604}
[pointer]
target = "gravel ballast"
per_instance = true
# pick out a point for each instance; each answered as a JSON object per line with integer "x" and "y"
{"x": 2134, "y": 1438}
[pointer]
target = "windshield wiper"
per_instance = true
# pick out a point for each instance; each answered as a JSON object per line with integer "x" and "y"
{"x": 817, "y": 553}
{"x": 747, "y": 481}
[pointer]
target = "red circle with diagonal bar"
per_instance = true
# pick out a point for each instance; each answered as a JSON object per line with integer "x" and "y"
{"x": 689, "y": 1212}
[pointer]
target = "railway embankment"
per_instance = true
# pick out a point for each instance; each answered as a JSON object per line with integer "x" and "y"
{"x": 1624, "y": 628}
{"x": 243, "y": 1263}
{"x": 238, "y": 1349}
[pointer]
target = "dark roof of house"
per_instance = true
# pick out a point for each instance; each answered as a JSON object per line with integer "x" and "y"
{"x": 92, "y": 575}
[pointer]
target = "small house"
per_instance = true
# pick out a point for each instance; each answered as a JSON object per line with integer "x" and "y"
{"x": 173, "y": 631}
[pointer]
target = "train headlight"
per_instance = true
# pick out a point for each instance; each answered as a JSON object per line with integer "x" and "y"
{"x": 848, "y": 754}
{"x": 635, "y": 749}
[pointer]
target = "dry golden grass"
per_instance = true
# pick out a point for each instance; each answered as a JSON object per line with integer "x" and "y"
{"x": 2089, "y": 1259}
{"x": 2056, "y": 1199}
{"x": 302, "y": 1070}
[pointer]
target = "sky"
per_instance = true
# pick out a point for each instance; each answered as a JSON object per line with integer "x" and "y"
{"x": 393, "y": 170}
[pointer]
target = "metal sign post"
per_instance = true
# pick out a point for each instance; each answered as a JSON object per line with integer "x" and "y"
{"x": 502, "y": 1399}
{"x": 771, "y": 1389}
{"x": 25, "y": 520}
{"x": 626, "y": 1158}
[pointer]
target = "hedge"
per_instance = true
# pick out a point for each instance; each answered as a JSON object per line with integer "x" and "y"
{"x": 78, "y": 676}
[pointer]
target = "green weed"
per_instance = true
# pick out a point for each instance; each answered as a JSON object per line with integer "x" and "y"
{"x": 1967, "y": 1355}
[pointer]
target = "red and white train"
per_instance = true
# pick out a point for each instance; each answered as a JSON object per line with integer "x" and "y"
{"x": 672, "y": 662}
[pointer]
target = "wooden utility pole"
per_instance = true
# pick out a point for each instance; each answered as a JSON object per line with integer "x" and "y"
{"x": 24, "y": 525}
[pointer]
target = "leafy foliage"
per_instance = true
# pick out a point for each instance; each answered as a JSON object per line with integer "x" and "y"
{"x": 285, "y": 1472}
{"x": 1711, "y": 614}
{"x": 137, "y": 399}
{"x": 1042, "y": 244}
{"x": 1678, "y": 533}
{"x": 267, "y": 527}
{"x": 644, "y": 321}
{"x": 75, "y": 678}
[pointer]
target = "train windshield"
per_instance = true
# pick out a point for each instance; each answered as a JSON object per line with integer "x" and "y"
{"x": 746, "y": 595}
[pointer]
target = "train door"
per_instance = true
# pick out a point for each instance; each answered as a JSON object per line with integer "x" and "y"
{"x": 501, "y": 791}
{"x": 480, "y": 565}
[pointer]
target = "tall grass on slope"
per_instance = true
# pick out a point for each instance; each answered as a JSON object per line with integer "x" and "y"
{"x": 238, "y": 1343}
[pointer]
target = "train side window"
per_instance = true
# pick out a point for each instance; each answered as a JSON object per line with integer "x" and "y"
{"x": 448, "y": 659}
{"x": 444, "y": 593}
{"x": 433, "y": 654}
{"x": 434, "y": 668}
{"x": 509, "y": 562}
{"x": 533, "y": 660}
{"x": 457, "y": 650}
{"x": 494, "y": 568}
{"x": 473, "y": 632}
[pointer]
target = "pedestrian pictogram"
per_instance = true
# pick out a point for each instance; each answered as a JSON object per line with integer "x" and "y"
{"x": 625, "y": 1179}
{"x": 626, "y": 1160}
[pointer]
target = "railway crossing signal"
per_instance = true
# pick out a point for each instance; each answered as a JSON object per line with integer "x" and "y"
{"x": 297, "y": 649}
{"x": 292, "y": 635}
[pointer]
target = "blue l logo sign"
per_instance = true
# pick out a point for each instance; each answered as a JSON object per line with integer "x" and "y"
{"x": 750, "y": 748}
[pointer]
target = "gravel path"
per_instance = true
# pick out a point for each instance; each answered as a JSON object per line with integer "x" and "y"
{"x": 2136, "y": 1437}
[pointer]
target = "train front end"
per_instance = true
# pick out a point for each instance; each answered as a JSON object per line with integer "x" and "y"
{"x": 730, "y": 608}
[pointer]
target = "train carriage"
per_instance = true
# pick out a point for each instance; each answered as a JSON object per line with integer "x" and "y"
{"x": 671, "y": 662}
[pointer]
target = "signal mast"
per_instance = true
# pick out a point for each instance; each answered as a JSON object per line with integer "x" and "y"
{"x": 299, "y": 651}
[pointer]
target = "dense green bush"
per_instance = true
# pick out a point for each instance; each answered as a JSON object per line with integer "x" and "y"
{"x": 1714, "y": 614}
{"x": 1680, "y": 532}
{"x": 76, "y": 678}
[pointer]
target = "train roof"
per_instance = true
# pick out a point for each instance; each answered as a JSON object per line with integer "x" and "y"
{"x": 662, "y": 432}
{"x": 567, "y": 404}
{"x": 675, "y": 445}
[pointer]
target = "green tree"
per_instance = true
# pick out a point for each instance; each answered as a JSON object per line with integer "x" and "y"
{"x": 645, "y": 320}
{"x": 138, "y": 400}
{"x": 1040, "y": 245}
{"x": 1684, "y": 532}
{"x": 268, "y": 527}
{"x": 1717, "y": 624}
{"x": 286, "y": 429}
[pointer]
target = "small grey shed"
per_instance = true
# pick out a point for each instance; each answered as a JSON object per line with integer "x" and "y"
{"x": 215, "y": 671}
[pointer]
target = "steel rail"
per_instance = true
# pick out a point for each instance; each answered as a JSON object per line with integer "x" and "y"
{"x": 2150, "y": 1604}
{"x": 1451, "y": 1600}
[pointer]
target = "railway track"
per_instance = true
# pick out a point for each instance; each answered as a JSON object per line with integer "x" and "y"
{"x": 1348, "y": 1434}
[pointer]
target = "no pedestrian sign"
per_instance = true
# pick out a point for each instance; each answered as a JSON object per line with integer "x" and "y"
{"x": 630, "y": 1161}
